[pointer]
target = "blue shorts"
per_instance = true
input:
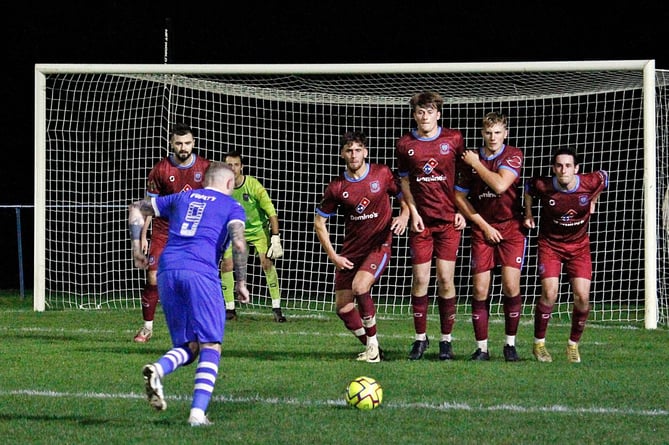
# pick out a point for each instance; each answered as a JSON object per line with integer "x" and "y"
{"x": 193, "y": 305}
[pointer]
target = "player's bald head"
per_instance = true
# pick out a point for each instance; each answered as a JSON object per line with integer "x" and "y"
{"x": 220, "y": 176}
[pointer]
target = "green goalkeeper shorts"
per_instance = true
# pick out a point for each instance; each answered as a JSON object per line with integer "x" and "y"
{"x": 259, "y": 241}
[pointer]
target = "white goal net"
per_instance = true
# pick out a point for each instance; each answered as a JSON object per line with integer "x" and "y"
{"x": 100, "y": 129}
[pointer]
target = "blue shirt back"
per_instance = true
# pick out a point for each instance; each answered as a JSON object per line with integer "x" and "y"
{"x": 198, "y": 228}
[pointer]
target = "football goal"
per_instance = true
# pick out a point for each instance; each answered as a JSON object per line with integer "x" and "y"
{"x": 100, "y": 128}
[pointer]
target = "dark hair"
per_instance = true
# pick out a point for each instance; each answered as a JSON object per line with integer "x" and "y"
{"x": 234, "y": 154}
{"x": 353, "y": 136}
{"x": 566, "y": 151}
{"x": 181, "y": 129}
{"x": 425, "y": 99}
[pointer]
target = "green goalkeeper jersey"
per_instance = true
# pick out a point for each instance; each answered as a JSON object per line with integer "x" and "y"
{"x": 257, "y": 204}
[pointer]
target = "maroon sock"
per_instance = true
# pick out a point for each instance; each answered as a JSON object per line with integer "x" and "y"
{"x": 446, "y": 314}
{"x": 480, "y": 319}
{"x": 367, "y": 311}
{"x": 149, "y": 302}
{"x": 353, "y": 323}
{"x": 512, "y": 308}
{"x": 419, "y": 307}
{"x": 578, "y": 319}
{"x": 542, "y": 315}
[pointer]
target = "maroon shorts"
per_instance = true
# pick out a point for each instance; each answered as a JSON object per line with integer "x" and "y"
{"x": 575, "y": 257}
{"x": 375, "y": 263}
{"x": 509, "y": 253}
{"x": 441, "y": 241}
{"x": 156, "y": 247}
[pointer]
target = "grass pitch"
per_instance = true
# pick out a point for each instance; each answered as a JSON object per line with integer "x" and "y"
{"x": 74, "y": 377}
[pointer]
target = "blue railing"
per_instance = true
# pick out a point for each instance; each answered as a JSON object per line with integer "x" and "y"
{"x": 19, "y": 243}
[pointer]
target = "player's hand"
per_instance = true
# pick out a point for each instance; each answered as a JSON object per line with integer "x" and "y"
{"x": 399, "y": 224}
{"x": 275, "y": 250}
{"x": 460, "y": 222}
{"x": 242, "y": 292}
{"x": 492, "y": 235}
{"x": 529, "y": 223}
{"x": 470, "y": 157}
{"x": 141, "y": 261}
{"x": 341, "y": 262}
{"x": 417, "y": 223}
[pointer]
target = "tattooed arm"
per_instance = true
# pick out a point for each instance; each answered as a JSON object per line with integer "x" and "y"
{"x": 137, "y": 211}
{"x": 240, "y": 255}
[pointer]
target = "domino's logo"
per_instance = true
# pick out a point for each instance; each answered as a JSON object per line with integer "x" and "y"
{"x": 430, "y": 166}
{"x": 362, "y": 205}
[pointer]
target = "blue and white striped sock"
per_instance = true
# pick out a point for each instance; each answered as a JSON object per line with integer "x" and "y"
{"x": 173, "y": 359}
{"x": 205, "y": 378}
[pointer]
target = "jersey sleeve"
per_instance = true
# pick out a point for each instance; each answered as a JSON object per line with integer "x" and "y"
{"x": 263, "y": 199}
{"x": 327, "y": 207}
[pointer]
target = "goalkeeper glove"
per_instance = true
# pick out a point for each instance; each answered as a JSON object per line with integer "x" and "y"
{"x": 275, "y": 250}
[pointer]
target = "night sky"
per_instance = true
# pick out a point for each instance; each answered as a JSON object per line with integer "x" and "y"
{"x": 283, "y": 32}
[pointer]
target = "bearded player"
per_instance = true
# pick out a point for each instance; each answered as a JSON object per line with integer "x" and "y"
{"x": 180, "y": 171}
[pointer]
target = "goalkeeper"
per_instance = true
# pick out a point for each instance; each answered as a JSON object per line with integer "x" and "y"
{"x": 262, "y": 232}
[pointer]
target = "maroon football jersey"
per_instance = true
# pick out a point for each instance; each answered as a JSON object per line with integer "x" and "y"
{"x": 365, "y": 205}
{"x": 167, "y": 177}
{"x": 430, "y": 164}
{"x": 565, "y": 213}
{"x": 492, "y": 207}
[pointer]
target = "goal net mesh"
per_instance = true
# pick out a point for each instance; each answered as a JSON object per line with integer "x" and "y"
{"x": 104, "y": 132}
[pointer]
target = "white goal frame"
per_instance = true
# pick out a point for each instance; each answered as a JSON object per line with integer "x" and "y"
{"x": 646, "y": 68}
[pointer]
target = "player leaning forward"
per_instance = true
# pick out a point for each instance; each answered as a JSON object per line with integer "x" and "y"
{"x": 202, "y": 223}
{"x": 362, "y": 195}
{"x": 567, "y": 199}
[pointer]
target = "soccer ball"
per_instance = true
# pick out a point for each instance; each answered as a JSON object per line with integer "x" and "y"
{"x": 364, "y": 393}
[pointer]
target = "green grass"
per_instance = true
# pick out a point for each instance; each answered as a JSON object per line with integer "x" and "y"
{"x": 75, "y": 377}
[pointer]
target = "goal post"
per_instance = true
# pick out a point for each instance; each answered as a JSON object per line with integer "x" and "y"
{"x": 100, "y": 128}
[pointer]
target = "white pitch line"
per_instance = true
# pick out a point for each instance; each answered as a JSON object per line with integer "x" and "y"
{"x": 443, "y": 406}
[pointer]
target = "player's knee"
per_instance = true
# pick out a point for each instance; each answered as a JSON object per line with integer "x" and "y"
{"x": 344, "y": 307}
{"x": 193, "y": 349}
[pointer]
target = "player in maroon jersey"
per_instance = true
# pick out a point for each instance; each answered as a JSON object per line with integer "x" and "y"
{"x": 427, "y": 157}
{"x": 180, "y": 171}
{"x": 362, "y": 195}
{"x": 567, "y": 199}
{"x": 489, "y": 193}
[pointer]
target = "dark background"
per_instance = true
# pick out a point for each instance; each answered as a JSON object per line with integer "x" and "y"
{"x": 252, "y": 32}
